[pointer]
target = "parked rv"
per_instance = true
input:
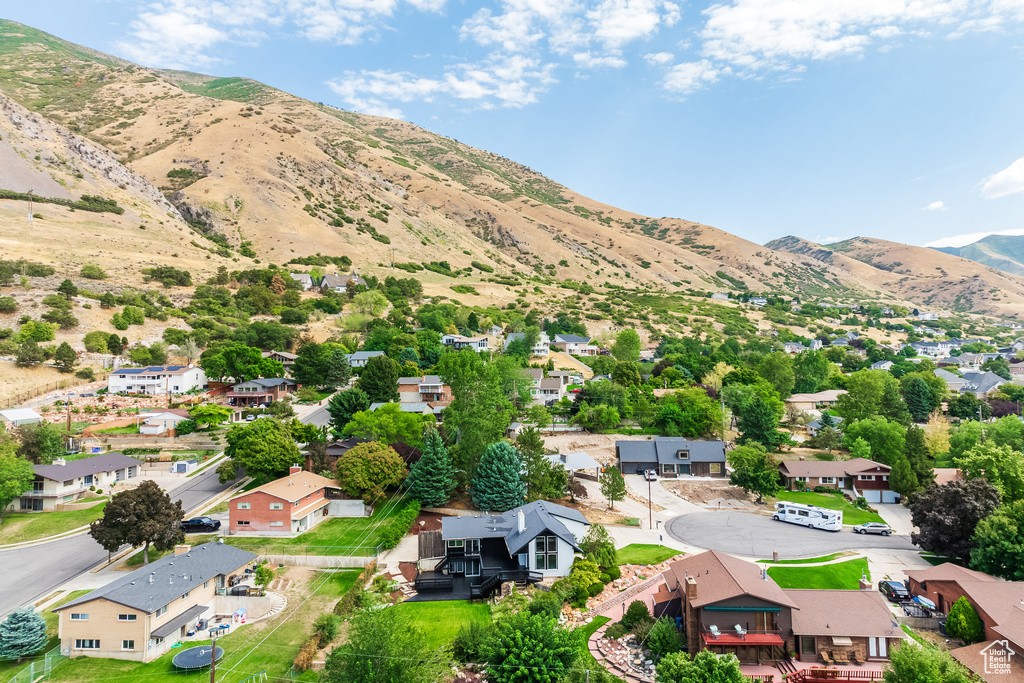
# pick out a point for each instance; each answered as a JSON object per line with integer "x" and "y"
{"x": 808, "y": 515}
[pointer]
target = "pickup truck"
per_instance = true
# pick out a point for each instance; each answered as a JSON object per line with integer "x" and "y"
{"x": 197, "y": 524}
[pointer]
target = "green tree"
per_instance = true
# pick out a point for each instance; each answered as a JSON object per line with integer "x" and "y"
{"x": 999, "y": 543}
{"x": 263, "y": 575}
{"x": 948, "y": 515}
{"x": 372, "y": 302}
{"x": 923, "y": 665}
{"x": 368, "y": 468}
{"x": 65, "y": 358}
{"x": 964, "y": 623}
{"x": 68, "y": 289}
{"x": 386, "y": 646}
{"x": 22, "y": 633}
{"x": 626, "y": 373}
{"x": 688, "y": 412}
{"x": 1002, "y": 466}
{"x": 915, "y": 449}
{"x": 777, "y": 369}
{"x": 705, "y": 667}
{"x": 239, "y": 363}
{"x": 664, "y": 638}
{"x": 892, "y": 407}
{"x": 16, "y": 473}
{"x": 28, "y": 354}
{"x": 265, "y": 448}
{"x": 887, "y": 439}
{"x": 531, "y": 648}
{"x": 40, "y": 443}
{"x": 811, "y": 369}
{"x": 210, "y": 414}
{"x": 324, "y": 366}
{"x": 544, "y": 480}
{"x": 344, "y": 404}
{"x": 142, "y": 516}
{"x": 902, "y": 479}
{"x": 613, "y": 485}
{"x": 95, "y": 341}
{"x": 863, "y": 397}
{"x": 498, "y": 485}
{"x": 919, "y": 399}
{"x": 627, "y": 346}
{"x": 860, "y": 448}
{"x": 758, "y": 424}
{"x": 379, "y": 379}
{"x": 388, "y": 424}
{"x": 755, "y": 470}
{"x": 598, "y": 546}
{"x": 432, "y": 477}
{"x": 999, "y": 366}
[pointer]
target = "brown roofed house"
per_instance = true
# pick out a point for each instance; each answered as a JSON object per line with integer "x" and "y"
{"x": 858, "y": 477}
{"x": 290, "y": 505}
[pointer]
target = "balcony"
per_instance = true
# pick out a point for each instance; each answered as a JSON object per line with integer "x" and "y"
{"x": 729, "y": 636}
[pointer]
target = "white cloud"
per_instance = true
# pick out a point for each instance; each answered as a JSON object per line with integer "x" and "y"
{"x": 690, "y": 76}
{"x": 970, "y": 238}
{"x": 617, "y": 22}
{"x": 936, "y": 206}
{"x": 588, "y": 60}
{"x": 659, "y": 58}
{"x": 1008, "y": 181}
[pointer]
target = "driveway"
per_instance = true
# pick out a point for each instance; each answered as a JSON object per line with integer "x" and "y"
{"x": 745, "y": 534}
{"x": 897, "y": 517}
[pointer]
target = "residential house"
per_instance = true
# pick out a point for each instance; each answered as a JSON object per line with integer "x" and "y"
{"x": 931, "y": 349}
{"x": 418, "y": 407}
{"x": 66, "y": 481}
{"x": 260, "y": 392}
{"x": 882, "y": 365}
{"x": 290, "y": 505}
{"x": 141, "y": 615}
{"x": 472, "y": 556}
{"x": 574, "y": 345}
{"x": 816, "y": 401}
{"x": 496, "y": 330}
{"x": 162, "y": 422}
{"x": 304, "y": 279}
{"x": 427, "y": 389}
{"x": 359, "y": 358}
{"x": 541, "y": 348}
{"x": 545, "y": 390}
{"x": 981, "y": 383}
{"x": 953, "y": 382}
{"x": 283, "y": 357}
{"x": 758, "y": 301}
{"x": 567, "y": 377}
{"x": 731, "y": 606}
{"x": 339, "y": 284}
{"x": 156, "y": 380}
{"x": 815, "y": 426}
{"x": 720, "y": 296}
{"x": 857, "y": 477}
{"x": 924, "y": 315}
{"x": 458, "y": 342}
{"x": 16, "y": 417}
{"x": 672, "y": 457}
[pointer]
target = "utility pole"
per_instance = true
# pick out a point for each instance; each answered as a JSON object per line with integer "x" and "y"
{"x": 30, "y": 206}
{"x": 650, "y": 506}
{"x": 213, "y": 659}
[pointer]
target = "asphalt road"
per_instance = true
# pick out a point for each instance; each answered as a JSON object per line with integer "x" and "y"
{"x": 34, "y": 572}
{"x": 741, "y": 533}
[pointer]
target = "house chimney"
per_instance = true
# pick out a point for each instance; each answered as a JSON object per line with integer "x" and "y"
{"x": 691, "y": 589}
{"x": 60, "y": 461}
{"x": 294, "y": 469}
{"x": 182, "y": 549}
{"x": 522, "y": 521}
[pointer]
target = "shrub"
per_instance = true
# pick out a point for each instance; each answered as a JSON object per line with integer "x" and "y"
{"x": 400, "y": 525}
{"x": 304, "y": 660}
{"x": 605, "y": 578}
{"x": 483, "y": 266}
{"x": 350, "y": 601}
{"x": 8, "y": 304}
{"x": 547, "y": 603}
{"x": 325, "y": 629}
{"x": 185, "y": 427}
{"x": 616, "y": 630}
{"x": 613, "y": 572}
{"x": 636, "y": 612}
{"x": 964, "y": 623}
{"x": 140, "y": 450}
{"x": 595, "y": 589}
{"x": 86, "y": 374}
{"x": 93, "y": 273}
{"x": 642, "y": 628}
{"x": 664, "y": 638}
{"x": 473, "y": 642}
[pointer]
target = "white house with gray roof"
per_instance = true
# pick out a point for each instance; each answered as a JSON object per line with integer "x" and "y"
{"x": 672, "y": 457}
{"x": 66, "y": 481}
{"x": 360, "y": 358}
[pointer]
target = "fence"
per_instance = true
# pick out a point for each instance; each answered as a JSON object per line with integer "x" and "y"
{"x": 12, "y": 400}
{"x": 40, "y": 669}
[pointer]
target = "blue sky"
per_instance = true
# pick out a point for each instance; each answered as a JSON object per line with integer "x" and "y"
{"x": 898, "y": 119}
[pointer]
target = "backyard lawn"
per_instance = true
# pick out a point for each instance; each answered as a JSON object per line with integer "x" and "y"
{"x": 841, "y": 575}
{"x": 851, "y": 515}
{"x": 339, "y": 536}
{"x": 440, "y": 621}
{"x": 22, "y": 527}
{"x": 645, "y": 553}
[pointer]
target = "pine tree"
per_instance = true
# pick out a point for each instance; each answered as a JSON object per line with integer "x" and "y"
{"x": 22, "y": 633}
{"x": 919, "y": 399}
{"x": 432, "y": 478}
{"x": 964, "y": 623}
{"x": 65, "y": 358}
{"x": 758, "y": 423}
{"x": 613, "y": 485}
{"x": 498, "y": 485}
{"x": 917, "y": 454}
{"x": 892, "y": 406}
{"x": 902, "y": 479}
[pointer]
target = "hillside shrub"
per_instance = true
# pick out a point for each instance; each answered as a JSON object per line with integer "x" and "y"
{"x": 483, "y": 266}
{"x": 635, "y": 613}
{"x": 400, "y": 525}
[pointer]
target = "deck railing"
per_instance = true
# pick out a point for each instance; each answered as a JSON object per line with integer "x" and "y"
{"x": 850, "y": 675}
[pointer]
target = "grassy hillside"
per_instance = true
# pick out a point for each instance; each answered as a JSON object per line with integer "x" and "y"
{"x": 1002, "y": 252}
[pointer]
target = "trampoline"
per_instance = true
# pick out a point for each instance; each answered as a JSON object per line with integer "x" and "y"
{"x": 196, "y": 657}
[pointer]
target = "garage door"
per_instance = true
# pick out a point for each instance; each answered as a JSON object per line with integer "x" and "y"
{"x": 889, "y": 496}
{"x": 872, "y": 495}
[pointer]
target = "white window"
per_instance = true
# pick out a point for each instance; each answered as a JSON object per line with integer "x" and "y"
{"x": 277, "y": 524}
{"x": 276, "y": 506}
{"x": 86, "y": 644}
{"x": 160, "y": 612}
{"x": 243, "y": 506}
{"x": 715, "y": 467}
{"x": 866, "y": 477}
{"x": 126, "y": 617}
{"x": 77, "y": 616}
{"x": 683, "y": 455}
{"x": 455, "y": 543}
{"x": 205, "y": 584}
{"x": 801, "y": 479}
{"x": 546, "y": 548}
{"x": 127, "y": 644}
{"x": 827, "y": 480}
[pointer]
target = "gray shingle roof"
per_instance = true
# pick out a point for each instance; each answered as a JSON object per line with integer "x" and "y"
{"x": 540, "y": 516}
{"x": 173, "y": 576}
{"x": 981, "y": 382}
{"x": 663, "y": 450}
{"x": 104, "y": 462}
{"x": 270, "y": 382}
{"x": 363, "y": 355}
{"x": 572, "y": 339}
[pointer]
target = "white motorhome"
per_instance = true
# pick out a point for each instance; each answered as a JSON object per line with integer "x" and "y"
{"x": 809, "y": 515}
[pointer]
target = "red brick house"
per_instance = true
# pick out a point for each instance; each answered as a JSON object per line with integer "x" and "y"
{"x": 858, "y": 477}
{"x": 289, "y": 505}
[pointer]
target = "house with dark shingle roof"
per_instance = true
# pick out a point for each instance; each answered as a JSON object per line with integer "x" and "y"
{"x": 473, "y": 555}
{"x": 574, "y": 345}
{"x": 66, "y": 481}
{"x": 140, "y": 615}
{"x": 859, "y": 477}
{"x": 671, "y": 456}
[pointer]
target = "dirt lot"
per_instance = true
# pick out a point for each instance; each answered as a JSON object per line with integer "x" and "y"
{"x": 601, "y": 447}
{"x": 711, "y": 494}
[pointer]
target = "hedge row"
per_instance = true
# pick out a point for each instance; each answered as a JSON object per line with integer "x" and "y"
{"x": 400, "y": 525}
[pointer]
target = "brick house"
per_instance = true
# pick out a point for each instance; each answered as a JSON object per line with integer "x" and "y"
{"x": 260, "y": 391}
{"x": 857, "y": 477}
{"x": 290, "y": 505}
{"x": 427, "y": 389}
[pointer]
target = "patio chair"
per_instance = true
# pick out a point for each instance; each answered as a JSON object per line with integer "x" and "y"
{"x": 714, "y": 631}
{"x": 825, "y": 657}
{"x": 740, "y": 631}
{"x": 854, "y": 658}
{"x": 839, "y": 657}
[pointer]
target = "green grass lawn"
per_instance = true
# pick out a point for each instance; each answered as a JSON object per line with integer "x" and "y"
{"x": 645, "y": 553}
{"x": 22, "y": 527}
{"x": 338, "y": 536}
{"x": 440, "y": 621}
{"x": 851, "y": 514}
{"x": 841, "y": 575}
{"x": 809, "y": 560}
{"x": 586, "y": 660}
{"x": 119, "y": 430}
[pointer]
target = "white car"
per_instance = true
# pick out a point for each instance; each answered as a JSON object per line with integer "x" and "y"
{"x": 651, "y": 475}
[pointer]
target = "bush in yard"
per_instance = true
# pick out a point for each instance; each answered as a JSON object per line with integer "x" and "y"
{"x": 616, "y": 630}
{"x": 705, "y": 667}
{"x": 264, "y": 575}
{"x": 304, "y": 660}
{"x": 548, "y": 604}
{"x": 367, "y": 469}
{"x": 595, "y": 589}
{"x": 185, "y": 427}
{"x": 584, "y": 573}
{"x": 473, "y": 642}
{"x": 325, "y": 629}
{"x": 598, "y": 546}
{"x": 605, "y": 578}
{"x": 664, "y": 638}
{"x": 22, "y": 633}
{"x": 350, "y": 601}
{"x": 531, "y": 649}
{"x": 400, "y": 525}
{"x": 614, "y": 572}
{"x": 964, "y": 623}
{"x": 636, "y": 612}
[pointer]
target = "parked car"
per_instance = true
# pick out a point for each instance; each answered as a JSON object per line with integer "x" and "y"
{"x": 651, "y": 475}
{"x": 197, "y": 524}
{"x": 894, "y": 591}
{"x": 873, "y": 528}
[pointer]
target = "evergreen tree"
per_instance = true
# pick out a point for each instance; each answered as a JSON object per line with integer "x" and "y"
{"x": 498, "y": 484}
{"x": 917, "y": 454}
{"x": 902, "y": 479}
{"x": 759, "y": 424}
{"x": 964, "y": 623}
{"x": 344, "y": 404}
{"x": 892, "y": 406}
{"x": 613, "y": 485}
{"x": 68, "y": 289}
{"x": 22, "y": 633}
{"x": 432, "y": 478}
{"x": 380, "y": 379}
{"x": 65, "y": 358}
{"x": 919, "y": 399}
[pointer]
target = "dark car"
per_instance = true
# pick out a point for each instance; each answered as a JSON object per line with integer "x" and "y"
{"x": 197, "y": 524}
{"x": 894, "y": 591}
